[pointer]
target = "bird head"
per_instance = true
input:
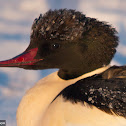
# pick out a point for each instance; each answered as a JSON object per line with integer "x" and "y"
{"x": 67, "y": 40}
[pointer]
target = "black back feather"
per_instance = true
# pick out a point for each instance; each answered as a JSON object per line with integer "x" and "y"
{"x": 106, "y": 91}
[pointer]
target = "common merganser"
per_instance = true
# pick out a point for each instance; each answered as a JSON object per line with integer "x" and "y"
{"x": 86, "y": 91}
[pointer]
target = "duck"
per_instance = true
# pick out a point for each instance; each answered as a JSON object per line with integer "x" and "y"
{"x": 86, "y": 90}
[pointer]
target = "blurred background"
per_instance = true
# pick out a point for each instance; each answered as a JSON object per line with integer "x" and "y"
{"x": 16, "y": 18}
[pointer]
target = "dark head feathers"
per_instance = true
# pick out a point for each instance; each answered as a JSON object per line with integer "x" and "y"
{"x": 70, "y": 25}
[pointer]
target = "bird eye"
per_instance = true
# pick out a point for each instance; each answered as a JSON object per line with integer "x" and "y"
{"x": 55, "y": 46}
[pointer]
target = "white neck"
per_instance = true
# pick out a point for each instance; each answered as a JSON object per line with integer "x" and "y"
{"x": 37, "y": 100}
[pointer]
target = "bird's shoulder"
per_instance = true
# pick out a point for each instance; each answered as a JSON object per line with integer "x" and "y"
{"x": 106, "y": 91}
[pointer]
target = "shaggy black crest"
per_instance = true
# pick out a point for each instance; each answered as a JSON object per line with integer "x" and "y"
{"x": 63, "y": 24}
